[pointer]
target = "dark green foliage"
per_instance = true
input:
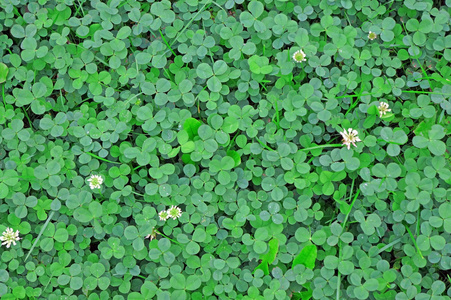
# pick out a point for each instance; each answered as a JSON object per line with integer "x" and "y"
{"x": 201, "y": 105}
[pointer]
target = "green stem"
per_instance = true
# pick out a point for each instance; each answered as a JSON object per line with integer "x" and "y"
{"x": 352, "y": 96}
{"x": 418, "y": 222}
{"x": 168, "y": 237}
{"x": 425, "y": 74}
{"x": 322, "y": 146}
{"x": 350, "y": 208}
{"x": 16, "y": 12}
{"x": 422, "y": 92}
{"x": 352, "y": 188}
{"x": 134, "y": 96}
{"x": 413, "y": 240}
{"x": 339, "y": 242}
{"x": 61, "y": 98}
{"x": 347, "y": 17}
{"x": 219, "y": 6}
{"x": 264, "y": 145}
{"x": 198, "y": 101}
{"x": 3, "y": 94}
{"x": 191, "y": 21}
{"x": 103, "y": 159}
{"x": 231, "y": 142}
{"x": 99, "y": 59}
{"x": 166, "y": 42}
{"x": 26, "y": 115}
{"x": 389, "y": 245}
{"x": 338, "y": 285}
{"x": 277, "y": 113}
{"x": 354, "y": 104}
{"x": 390, "y": 142}
{"x": 80, "y": 6}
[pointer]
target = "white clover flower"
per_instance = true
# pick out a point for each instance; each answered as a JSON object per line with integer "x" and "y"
{"x": 95, "y": 181}
{"x": 299, "y": 56}
{"x": 164, "y": 215}
{"x": 350, "y": 137}
{"x": 153, "y": 235}
{"x": 174, "y": 212}
{"x": 9, "y": 236}
{"x": 372, "y": 35}
{"x": 383, "y": 108}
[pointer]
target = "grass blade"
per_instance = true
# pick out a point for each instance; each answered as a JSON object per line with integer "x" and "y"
{"x": 40, "y": 233}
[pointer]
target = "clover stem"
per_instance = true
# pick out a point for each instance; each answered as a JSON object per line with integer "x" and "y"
{"x": 350, "y": 208}
{"x": 322, "y": 146}
{"x": 80, "y": 6}
{"x": 189, "y": 23}
{"x": 338, "y": 279}
{"x": 166, "y": 42}
{"x": 302, "y": 66}
{"x": 422, "y": 92}
{"x": 389, "y": 245}
{"x": 413, "y": 240}
{"x": 26, "y": 115}
{"x": 231, "y": 142}
{"x": 354, "y": 104}
{"x": 98, "y": 157}
{"x": 3, "y": 94}
{"x": 264, "y": 145}
{"x": 167, "y": 237}
{"x": 418, "y": 221}
{"x": 276, "y": 115}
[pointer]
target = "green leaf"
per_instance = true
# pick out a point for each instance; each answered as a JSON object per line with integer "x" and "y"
{"x": 235, "y": 156}
{"x": 437, "y": 147}
{"x": 3, "y": 72}
{"x": 199, "y": 235}
{"x": 192, "y": 248}
{"x": 178, "y": 281}
{"x": 204, "y": 71}
{"x": 262, "y": 266}
{"x": 214, "y": 84}
{"x": 420, "y": 142}
{"x": 259, "y": 65}
{"x": 131, "y": 233}
{"x": 306, "y": 257}
{"x": 230, "y": 125}
{"x": 361, "y": 293}
{"x": 193, "y": 282}
{"x": 123, "y": 33}
{"x": 83, "y": 215}
{"x": 272, "y": 252}
{"x": 23, "y": 97}
{"x": 3, "y": 190}
{"x": 191, "y": 126}
{"x": 61, "y": 235}
{"x": 256, "y": 8}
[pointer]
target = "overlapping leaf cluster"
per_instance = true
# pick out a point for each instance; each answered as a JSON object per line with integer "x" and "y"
{"x": 200, "y": 104}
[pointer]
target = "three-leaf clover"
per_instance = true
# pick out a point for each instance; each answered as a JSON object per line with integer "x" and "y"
{"x": 432, "y": 141}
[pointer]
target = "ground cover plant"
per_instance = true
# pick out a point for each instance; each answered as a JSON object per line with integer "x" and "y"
{"x": 225, "y": 149}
